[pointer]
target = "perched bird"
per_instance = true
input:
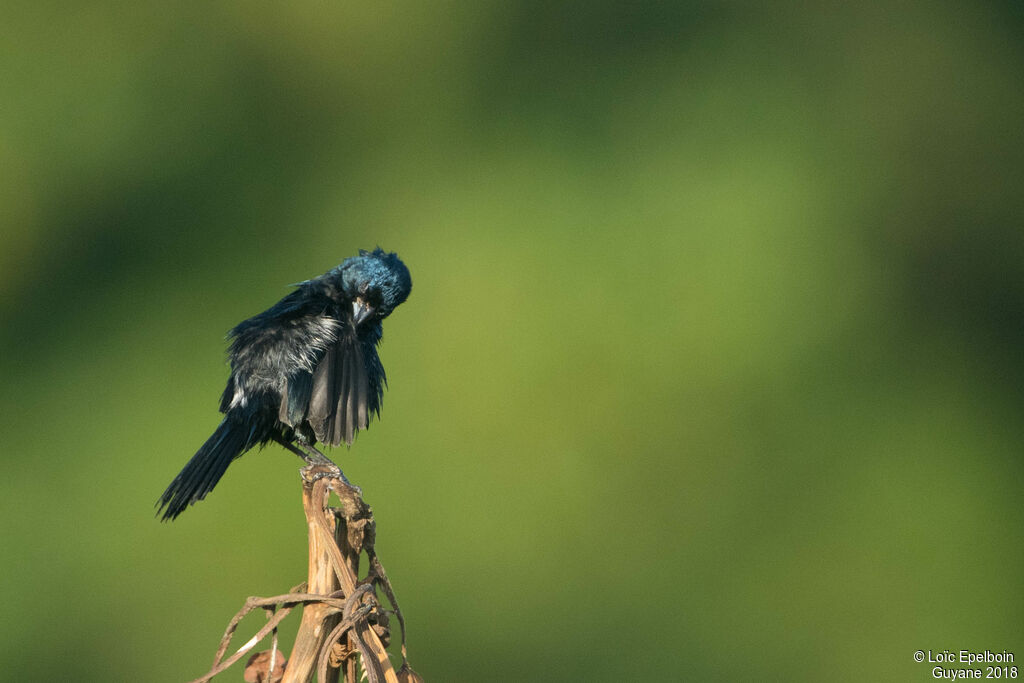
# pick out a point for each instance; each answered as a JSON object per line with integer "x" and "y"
{"x": 304, "y": 370}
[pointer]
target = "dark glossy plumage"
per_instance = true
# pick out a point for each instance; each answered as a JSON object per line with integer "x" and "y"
{"x": 304, "y": 370}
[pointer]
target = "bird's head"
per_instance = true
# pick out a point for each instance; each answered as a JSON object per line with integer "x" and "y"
{"x": 375, "y": 282}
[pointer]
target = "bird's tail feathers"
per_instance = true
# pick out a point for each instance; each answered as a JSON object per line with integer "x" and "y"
{"x": 205, "y": 469}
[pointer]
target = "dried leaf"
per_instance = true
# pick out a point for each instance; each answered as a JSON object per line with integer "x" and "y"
{"x": 407, "y": 675}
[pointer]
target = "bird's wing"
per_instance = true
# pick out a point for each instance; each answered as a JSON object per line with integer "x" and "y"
{"x": 340, "y": 395}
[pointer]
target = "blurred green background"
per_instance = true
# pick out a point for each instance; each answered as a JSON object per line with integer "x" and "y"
{"x": 712, "y": 368}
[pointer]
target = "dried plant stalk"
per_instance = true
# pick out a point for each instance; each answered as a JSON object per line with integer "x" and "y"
{"x": 341, "y": 615}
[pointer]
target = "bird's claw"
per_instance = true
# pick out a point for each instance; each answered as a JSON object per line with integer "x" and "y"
{"x": 318, "y": 470}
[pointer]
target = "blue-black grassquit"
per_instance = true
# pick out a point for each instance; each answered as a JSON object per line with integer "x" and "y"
{"x": 304, "y": 370}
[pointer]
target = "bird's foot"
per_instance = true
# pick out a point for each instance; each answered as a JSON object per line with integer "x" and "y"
{"x": 318, "y": 465}
{"x": 319, "y": 470}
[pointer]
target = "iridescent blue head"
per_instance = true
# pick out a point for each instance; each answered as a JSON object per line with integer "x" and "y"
{"x": 376, "y": 282}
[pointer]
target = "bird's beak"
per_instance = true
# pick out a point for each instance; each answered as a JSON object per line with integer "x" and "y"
{"x": 360, "y": 311}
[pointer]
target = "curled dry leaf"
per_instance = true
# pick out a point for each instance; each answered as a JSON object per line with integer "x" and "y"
{"x": 340, "y": 651}
{"x": 379, "y": 622}
{"x": 407, "y": 675}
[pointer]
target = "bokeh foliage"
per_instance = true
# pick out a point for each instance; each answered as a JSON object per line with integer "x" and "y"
{"x": 712, "y": 367}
